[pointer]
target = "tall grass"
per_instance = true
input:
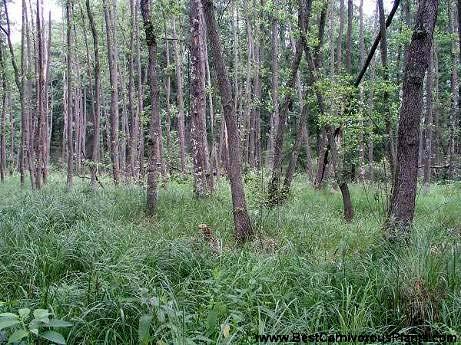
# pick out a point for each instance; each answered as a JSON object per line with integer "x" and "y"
{"x": 98, "y": 261}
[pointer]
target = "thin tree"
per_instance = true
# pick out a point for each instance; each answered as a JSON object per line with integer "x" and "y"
{"x": 97, "y": 97}
{"x": 243, "y": 229}
{"x": 427, "y": 159}
{"x": 180, "y": 100}
{"x": 198, "y": 104}
{"x": 153, "y": 158}
{"x": 70, "y": 153}
{"x": 113, "y": 73}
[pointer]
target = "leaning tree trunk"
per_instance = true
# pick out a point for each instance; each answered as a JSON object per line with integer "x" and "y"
{"x": 154, "y": 162}
{"x": 402, "y": 208}
{"x": 273, "y": 189}
{"x": 242, "y": 223}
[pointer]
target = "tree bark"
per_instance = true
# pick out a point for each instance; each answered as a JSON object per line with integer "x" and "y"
{"x": 113, "y": 73}
{"x": 70, "y": 151}
{"x": 180, "y": 101}
{"x": 243, "y": 229}
{"x": 427, "y": 160}
{"x": 198, "y": 105}
{"x": 350, "y": 15}
{"x": 154, "y": 162}
{"x": 275, "y": 39}
{"x": 402, "y": 208}
{"x": 97, "y": 98}
{"x": 455, "y": 96}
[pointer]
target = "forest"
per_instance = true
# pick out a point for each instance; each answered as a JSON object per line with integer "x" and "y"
{"x": 230, "y": 171}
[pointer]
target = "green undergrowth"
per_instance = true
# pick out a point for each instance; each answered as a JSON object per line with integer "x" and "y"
{"x": 95, "y": 259}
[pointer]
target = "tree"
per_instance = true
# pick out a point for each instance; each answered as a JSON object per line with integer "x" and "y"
{"x": 180, "y": 100}
{"x": 402, "y": 208}
{"x": 113, "y": 72}
{"x": 97, "y": 97}
{"x": 70, "y": 155}
{"x": 154, "y": 163}
{"x": 242, "y": 224}
{"x": 198, "y": 105}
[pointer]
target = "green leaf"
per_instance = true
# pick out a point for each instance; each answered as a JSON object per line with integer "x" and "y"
{"x": 41, "y": 313}
{"x": 17, "y": 335}
{"x": 54, "y": 337}
{"x": 8, "y": 323}
{"x": 24, "y": 312}
{"x": 8, "y": 316}
{"x": 59, "y": 323}
{"x": 144, "y": 328}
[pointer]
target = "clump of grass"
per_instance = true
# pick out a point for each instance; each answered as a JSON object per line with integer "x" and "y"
{"x": 97, "y": 260}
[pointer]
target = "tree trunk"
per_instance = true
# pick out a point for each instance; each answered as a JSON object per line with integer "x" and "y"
{"x": 362, "y": 95}
{"x": 70, "y": 151}
{"x": 97, "y": 98}
{"x": 198, "y": 105}
{"x": 387, "y": 116}
{"x": 154, "y": 162}
{"x": 350, "y": 14}
{"x": 42, "y": 121}
{"x": 180, "y": 101}
{"x": 3, "y": 118}
{"x": 402, "y": 206}
{"x": 113, "y": 73}
{"x": 455, "y": 96}
{"x": 427, "y": 161}
{"x": 339, "y": 49}
{"x": 275, "y": 37}
{"x": 273, "y": 189}
{"x": 243, "y": 229}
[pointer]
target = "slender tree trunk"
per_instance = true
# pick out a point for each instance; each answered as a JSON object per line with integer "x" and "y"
{"x": 97, "y": 98}
{"x": 3, "y": 117}
{"x": 70, "y": 152}
{"x": 402, "y": 206}
{"x": 429, "y": 123}
{"x": 243, "y": 229}
{"x": 350, "y": 14}
{"x": 275, "y": 86}
{"x": 455, "y": 96}
{"x": 273, "y": 189}
{"x": 387, "y": 116}
{"x": 168, "y": 97}
{"x": 12, "y": 161}
{"x": 198, "y": 104}
{"x": 113, "y": 72}
{"x": 41, "y": 124}
{"x": 154, "y": 162}
{"x": 362, "y": 95}
{"x": 339, "y": 48}
{"x": 180, "y": 101}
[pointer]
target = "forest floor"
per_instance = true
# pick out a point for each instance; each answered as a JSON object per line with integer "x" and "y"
{"x": 95, "y": 259}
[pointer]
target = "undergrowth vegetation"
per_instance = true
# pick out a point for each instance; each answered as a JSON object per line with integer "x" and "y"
{"x": 96, "y": 260}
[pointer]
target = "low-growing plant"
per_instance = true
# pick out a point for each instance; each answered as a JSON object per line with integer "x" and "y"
{"x": 24, "y": 326}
